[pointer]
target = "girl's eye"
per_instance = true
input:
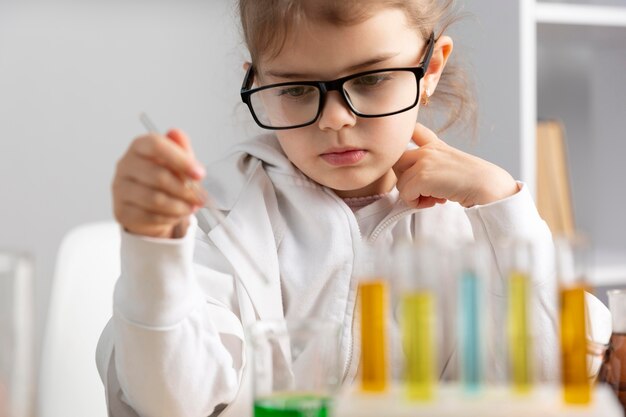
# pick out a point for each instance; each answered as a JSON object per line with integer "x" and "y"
{"x": 372, "y": 79}
{"x": 295, "y": 92}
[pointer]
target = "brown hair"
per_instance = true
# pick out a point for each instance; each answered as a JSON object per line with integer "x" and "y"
{"x": 267, "y": 23}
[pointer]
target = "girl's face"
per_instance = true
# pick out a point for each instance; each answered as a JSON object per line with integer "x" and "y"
{"x": 351, "y": 155}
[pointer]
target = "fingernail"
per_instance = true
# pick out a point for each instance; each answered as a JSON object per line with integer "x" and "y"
{"x": 198, "y": 171}
{"x": 203, "y": 197}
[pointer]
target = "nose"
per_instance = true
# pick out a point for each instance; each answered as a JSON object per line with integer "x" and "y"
{"x": 336, "y": 114}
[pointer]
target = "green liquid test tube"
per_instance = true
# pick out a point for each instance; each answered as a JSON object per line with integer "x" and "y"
{"x": 291, "y": 406}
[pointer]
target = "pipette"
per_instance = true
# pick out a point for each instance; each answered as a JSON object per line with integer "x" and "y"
{"x": 198, "y": 191}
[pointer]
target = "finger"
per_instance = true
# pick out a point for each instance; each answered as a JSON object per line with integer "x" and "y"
{"x": 413, "y": 185}
{"x": 406, "y": 161}
{"x": 423, "y": 202}
{"x": 181, "y": 139}
{"x": 166, "y": 152}
{"x": 151, "y": 175}
{"x": 412, "y": 176}
{"x": 426, "y": 202}
{"x": 423, "y": 172}
{"x": 153, "y": 200}
{"x": 422, "y": 135}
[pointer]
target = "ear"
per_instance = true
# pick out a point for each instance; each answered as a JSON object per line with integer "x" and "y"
{"x": 246, "y": 65}
{"x": 441, "y": 53}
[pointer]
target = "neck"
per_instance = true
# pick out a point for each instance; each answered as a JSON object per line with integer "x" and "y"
{"x": 381, "y": 186}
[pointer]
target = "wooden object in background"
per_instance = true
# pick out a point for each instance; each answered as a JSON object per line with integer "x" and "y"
{"x": 554, "y": 200}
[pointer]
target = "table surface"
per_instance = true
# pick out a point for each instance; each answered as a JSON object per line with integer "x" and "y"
{"x": 543, "y": 401}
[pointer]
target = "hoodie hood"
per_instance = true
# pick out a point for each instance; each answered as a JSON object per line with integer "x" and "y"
{"x": 227, "y": 178}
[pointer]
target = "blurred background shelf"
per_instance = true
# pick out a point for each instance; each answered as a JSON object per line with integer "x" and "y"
{"x": 608, "y": 276}
{"x": 580, "y": 79}
{"x": 564, "y": 61}
{"x": 580, "y": 14}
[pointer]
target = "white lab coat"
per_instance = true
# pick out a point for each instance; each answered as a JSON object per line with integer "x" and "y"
{"x": 175, "y": 345}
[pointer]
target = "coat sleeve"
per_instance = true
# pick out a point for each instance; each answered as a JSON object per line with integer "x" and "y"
{"x": 517, "y": 217}
{"x": 175, "y": 343}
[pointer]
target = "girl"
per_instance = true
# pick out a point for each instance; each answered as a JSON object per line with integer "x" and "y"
{"x": 343, "y": 161}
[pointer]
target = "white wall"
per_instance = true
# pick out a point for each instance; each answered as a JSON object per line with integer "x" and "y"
{"x": 74, "y": 76}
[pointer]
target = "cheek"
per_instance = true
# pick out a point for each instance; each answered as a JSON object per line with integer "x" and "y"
{"x": 294, "y": 146}
{"x": 405, "y": 122}
{"x": 394, "y": 132}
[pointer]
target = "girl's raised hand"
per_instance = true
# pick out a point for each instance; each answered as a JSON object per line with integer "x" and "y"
{"x": 151, "y": 196}
{"x": 436, "y": 172}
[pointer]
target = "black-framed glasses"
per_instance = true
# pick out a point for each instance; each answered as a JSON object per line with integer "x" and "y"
{"x": 375, "y": 93}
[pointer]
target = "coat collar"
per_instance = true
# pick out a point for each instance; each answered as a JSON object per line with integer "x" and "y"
{"x": 263, "y": 284}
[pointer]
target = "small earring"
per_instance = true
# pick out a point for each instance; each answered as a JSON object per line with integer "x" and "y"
{"x": 426, "y": 97}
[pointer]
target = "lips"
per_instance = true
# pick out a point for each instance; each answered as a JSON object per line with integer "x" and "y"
{"x": 343, "y": 156}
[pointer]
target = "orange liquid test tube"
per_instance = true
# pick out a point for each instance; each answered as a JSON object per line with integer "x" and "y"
{"x": 576, "y": 385}
{"x": 571, "y": 256}
{"x": 374, "y": 369}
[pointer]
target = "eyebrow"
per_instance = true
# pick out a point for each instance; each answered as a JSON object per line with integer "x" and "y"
{"x": 299, "y": 75}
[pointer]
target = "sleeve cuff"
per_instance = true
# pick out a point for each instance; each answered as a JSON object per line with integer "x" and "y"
{"x": 157, "y": 285}
{"x": 516, "y": 215}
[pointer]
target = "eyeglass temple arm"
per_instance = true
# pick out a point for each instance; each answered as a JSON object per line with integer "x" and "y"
{"x": 245, "y": 86}
{"x": 429, "y": 52}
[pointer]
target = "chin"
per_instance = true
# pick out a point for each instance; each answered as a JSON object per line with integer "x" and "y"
{"x": 349, "y": 185}
{"x": 347, "y": 180}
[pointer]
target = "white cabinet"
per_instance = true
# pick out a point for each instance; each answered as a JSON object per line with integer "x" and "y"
{"x": 555, "y": 60}
{"x": 580, "y": 60}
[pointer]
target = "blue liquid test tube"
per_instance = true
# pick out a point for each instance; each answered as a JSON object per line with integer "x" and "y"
{"x": 470, "y": 332}
{"x": 471, "y": 317}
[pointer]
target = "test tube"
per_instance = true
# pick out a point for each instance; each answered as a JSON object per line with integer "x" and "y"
{"x": 471, "y": 321}
{"x": 519, "y": 322}
{"x": 417, "y": 275}
{"x": 373, "y": 295}
{"x": 570, "y": 258}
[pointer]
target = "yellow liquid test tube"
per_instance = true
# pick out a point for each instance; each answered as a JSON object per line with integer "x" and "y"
{"x": 576, "y": 385}
{"x": 374, "y": 367}
{"x": 519, "y": 331}
{"x": 418, "y": 336}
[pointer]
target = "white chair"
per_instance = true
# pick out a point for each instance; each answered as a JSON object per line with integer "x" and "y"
{"x": 80, "y": 305}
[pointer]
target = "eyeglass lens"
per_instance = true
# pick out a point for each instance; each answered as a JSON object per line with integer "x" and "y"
{"x": 373, "y": 94}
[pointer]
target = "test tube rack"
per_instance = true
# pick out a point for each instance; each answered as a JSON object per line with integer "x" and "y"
{"x": 542, "y": 401}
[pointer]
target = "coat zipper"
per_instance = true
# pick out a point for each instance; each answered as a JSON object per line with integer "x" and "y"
{"x": 355, "y": 224}
{"x": 381, "y": 227}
